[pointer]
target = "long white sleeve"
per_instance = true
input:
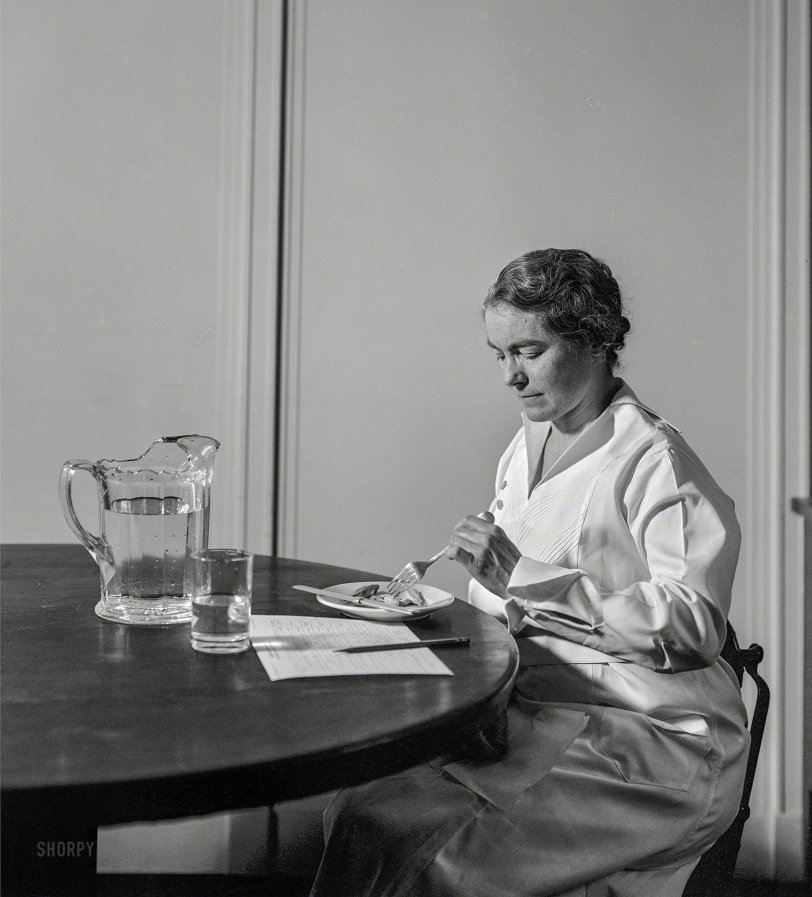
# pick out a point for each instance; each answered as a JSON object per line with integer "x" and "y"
{"x": 686, "y": 532}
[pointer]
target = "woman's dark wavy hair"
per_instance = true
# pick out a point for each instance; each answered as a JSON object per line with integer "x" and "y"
{"x": 575, "y": 295}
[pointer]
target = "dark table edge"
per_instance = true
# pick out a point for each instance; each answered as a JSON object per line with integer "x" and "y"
{"x": 193, "y": 794}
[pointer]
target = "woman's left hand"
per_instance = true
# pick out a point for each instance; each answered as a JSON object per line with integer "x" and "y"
{"x": 485, "y": 551}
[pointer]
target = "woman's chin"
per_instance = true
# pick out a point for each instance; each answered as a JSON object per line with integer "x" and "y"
{"x": 537, "y": 415}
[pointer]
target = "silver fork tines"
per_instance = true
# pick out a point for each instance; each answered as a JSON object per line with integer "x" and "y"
{"x": 407, "y": 577}
{"x": 410, "y": 575}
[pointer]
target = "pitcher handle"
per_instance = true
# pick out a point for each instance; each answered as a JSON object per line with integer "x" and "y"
{"x": 97, "y": 547}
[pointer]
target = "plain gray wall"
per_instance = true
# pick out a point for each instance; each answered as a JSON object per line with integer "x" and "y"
{"x": 112, "y": 245}
{"x": 441, "y": 140}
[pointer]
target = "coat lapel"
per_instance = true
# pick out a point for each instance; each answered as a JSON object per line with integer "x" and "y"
{"x": 594, "y": 437}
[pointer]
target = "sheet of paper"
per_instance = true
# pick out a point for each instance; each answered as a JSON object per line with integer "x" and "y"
{"x": 296, "y": 647}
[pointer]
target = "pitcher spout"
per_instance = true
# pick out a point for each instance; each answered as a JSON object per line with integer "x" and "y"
{"x": 201, "y": 452}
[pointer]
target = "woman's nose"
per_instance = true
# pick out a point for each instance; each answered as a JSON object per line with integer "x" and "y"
{"x": 514, "y": 376}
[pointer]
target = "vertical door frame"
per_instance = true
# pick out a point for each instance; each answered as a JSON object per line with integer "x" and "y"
{"x": 254, "y": 103}
{"x": 777, "y": 381}
{"x": 248, "y": 301}
{"x": 267, "y": 234}
{"x": 763, "y": 523}
{"x": 286, "y": 478}
{"x": 791, "y": 832}
{"x": 234, "y": 264}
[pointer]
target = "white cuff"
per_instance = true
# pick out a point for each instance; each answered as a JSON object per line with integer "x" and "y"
{"x": 514, "y": 613}
{"x": 504, "y": 609}
{"x": 540, "y": 579}
{"x": 545, "y": 592}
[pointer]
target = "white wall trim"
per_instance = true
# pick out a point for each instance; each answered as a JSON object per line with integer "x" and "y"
{"x": 261, "y": 369}
{"x": 247, "y": 830}
{"x": 756, "y": 854}
{"x": 292, "y": 293}
{"x": 790, "y": 838}
{"x": 234, "y": 299}
{"x": 790, "y": 832}
{"x": 197, "y": 844}
{"x": 764, "y": 610}
{"x": 772, "y": 840}
{"x": 778, "y": 414}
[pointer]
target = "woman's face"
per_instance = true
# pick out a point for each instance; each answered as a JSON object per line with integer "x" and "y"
{"x": 551, "y": 378}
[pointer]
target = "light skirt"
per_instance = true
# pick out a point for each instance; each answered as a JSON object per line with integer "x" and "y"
{"x": 585, "y": 797}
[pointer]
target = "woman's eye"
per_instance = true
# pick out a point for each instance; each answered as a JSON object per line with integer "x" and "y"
{"x": 499, "y": 358}
{"x": 530, "y": 354}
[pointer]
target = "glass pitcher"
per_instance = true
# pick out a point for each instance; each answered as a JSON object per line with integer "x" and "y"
{"x": 153, "y": 513}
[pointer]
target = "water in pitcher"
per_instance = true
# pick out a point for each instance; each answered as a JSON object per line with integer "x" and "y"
{"x": 150, "y": 540}
{"x": 153, "y": 513}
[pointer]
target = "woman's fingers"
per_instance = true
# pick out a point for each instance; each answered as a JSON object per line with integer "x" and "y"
{"x": 478, "y": 537}
{"x": 482, "y": 523}
{"x": 485, "y": 551}
{"x": 458, "y": 553}
{"x": 476, "y": 531}
{"x": 471, "y": 553}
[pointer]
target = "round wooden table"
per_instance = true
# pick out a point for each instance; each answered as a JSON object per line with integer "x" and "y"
{"x": 107, "y": 723}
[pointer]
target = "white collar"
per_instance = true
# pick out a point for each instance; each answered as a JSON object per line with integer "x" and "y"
{"x": 593, "y": 436}
{"x": 625, "y": 396}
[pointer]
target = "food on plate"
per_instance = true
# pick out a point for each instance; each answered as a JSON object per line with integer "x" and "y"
{"x": 374, "y": 592}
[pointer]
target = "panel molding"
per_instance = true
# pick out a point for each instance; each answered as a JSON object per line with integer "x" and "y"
{"x": 245, "y": 354}
{"x": 774, "y": 402}
{"x": 778, "y": 412}
{"x": 269, "y": 104}
{"x": 232, "y": 356}
{"x": 291, "y": 298}
{"x": 791, "y": 832}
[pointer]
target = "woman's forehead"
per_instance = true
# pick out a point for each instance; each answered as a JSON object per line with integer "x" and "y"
{"x": 514, "y": 324}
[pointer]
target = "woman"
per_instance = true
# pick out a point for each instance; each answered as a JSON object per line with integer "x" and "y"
{"x": 609, "y": 551}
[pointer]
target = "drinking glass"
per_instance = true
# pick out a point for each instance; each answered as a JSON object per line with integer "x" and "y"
{"x": 221, "y": 600}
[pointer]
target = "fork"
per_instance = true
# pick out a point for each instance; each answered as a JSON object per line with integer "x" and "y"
{"x": 411, "y": 574}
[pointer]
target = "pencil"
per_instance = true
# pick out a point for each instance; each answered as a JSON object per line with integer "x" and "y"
{"x": 428, "y": 643}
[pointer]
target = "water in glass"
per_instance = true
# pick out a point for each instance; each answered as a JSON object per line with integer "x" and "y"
{"x": 220, "y": 623}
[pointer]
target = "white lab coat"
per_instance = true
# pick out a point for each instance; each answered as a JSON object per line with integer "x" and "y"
{"x": 628, "y": 736}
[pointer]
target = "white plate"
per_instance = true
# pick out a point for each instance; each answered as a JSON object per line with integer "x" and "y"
{"x": 435, "y": 599}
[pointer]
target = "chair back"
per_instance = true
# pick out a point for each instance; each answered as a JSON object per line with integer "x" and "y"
{"x": 714, "y": 872}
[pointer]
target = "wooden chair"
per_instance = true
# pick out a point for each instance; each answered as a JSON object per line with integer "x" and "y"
{"x": 713, "y": 874}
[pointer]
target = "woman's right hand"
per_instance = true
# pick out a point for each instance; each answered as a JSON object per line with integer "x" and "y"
{"x": 485, "y": 551}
